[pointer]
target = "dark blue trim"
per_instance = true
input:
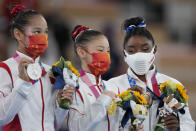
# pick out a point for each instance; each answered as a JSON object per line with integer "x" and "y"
{"x": 41, "y": 66}
{"x": 128, "y": 113}
{"x": 131, "y": 81}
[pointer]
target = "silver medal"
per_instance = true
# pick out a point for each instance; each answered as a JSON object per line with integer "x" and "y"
{"x": 34, "y": 71}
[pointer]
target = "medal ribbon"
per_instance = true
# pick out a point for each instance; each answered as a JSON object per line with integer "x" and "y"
{"x": 86, "y": 80}
{"x": 155, "y": 87}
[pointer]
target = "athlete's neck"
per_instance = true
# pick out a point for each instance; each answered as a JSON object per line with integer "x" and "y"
{"x": 86, "y": 69}
{"x": 23, "y": 51}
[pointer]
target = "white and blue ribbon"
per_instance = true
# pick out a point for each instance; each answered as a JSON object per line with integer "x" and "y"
{"x": 141, "y": 24}
{"x": 131, "y": 80}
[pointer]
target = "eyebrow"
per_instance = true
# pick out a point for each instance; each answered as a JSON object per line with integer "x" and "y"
{"x": 145, "y": 44}
{"x": 130, "y": 46}
{"x": 100, "y": 46}
{"x": 38, "y": 28}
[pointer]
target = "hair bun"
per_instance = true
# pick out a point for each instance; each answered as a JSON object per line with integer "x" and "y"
{"x": 134, "y": 22}
{"x": 77, "y": 30}
{"x": 17, "y": 9}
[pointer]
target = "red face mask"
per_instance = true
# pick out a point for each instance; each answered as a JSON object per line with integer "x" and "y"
{"x": 37, "y": 44}
{"x": 100, "y": 63}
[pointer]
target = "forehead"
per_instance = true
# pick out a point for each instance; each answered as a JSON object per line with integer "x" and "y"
{"x": 37, "y": 21}
{"x": 139, "y": 41}
{"x": 98, "y": 41}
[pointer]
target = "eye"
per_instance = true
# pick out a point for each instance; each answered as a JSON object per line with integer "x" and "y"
{"x": 145, "y": 49}
{"x": 131, "y": 51}
{"x": 100, "y": 50}
{"x": 37, "y": 32}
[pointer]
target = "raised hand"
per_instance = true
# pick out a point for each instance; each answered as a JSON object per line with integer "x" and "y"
{"x": 171, "y": 122}
{"x": 137, "y": 88}
{"x": 22, "y": 68}
{"x": 66, "y": 94}
{"x": 109, "y": 93}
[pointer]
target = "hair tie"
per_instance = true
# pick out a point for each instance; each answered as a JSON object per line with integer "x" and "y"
{"x": 141, "y": 24}
{"x": 17, "y": 9}
{"x": 78, "y": 31}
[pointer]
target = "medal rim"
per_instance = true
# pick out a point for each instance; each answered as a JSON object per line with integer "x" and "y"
{"x": 31, "y": 67}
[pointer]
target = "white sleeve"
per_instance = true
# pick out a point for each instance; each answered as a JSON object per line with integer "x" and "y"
{"x": 84, "y": 118}
{"x": 186, "y": 122}
{"x": 11, "y": 100}
{"x": 60, "y": 115}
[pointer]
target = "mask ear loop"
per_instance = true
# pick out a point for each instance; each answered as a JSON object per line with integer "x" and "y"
{"x": 126, "y": 54}
{"x": 152, "y": 51}
{"x": 86, "y": 50}
{"x": 24, "y": 44}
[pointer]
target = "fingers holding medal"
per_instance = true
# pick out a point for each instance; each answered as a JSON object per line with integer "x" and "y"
{"x": 34, "y": 71}
{"x": 29, "y": 70}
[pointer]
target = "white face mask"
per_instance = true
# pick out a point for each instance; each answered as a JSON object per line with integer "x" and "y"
{"x": 140, "y": 62}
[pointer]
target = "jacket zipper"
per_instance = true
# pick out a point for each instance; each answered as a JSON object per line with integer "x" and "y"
{"x": 43, "y": 104}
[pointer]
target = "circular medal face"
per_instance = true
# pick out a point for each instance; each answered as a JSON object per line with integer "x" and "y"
{"x": 34, "y": 71}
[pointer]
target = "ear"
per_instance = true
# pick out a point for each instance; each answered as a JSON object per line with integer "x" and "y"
{"x": 18, "y": 34}
{"x": 155, "y": 49}
{"x": 81, "y": 52}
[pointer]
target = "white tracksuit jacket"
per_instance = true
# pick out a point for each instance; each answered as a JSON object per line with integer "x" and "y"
{"x": 35, "y": 104}
{"x": 90, "y": 114}
{"x": 186, "y": 122}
